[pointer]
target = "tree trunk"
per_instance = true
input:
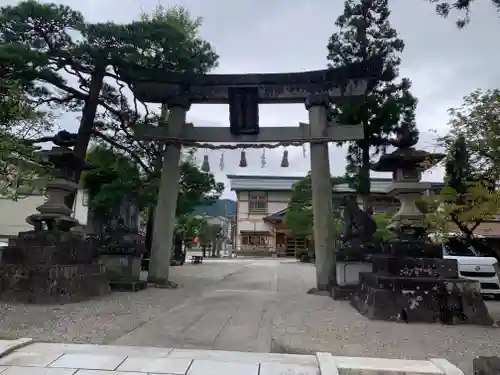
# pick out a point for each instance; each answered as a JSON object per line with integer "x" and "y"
{"x": 151, "y": 208}
{"x": 87, "y": 123}
{"x": 149, "y": 231}
{"x": 469, "y": 238}
{"x": 364, "y": 177}
{"x": 178, "y": 256}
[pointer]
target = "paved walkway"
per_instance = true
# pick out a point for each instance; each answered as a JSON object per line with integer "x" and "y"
{"x": 247, "y": 305}
{"x": 234, "y": 312}
{"x": 23, "y": 357}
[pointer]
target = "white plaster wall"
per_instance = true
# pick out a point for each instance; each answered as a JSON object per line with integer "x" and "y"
{"x": 13, "y": 213}
{"x": 276, "y": 201}
{"x": 279, "y": 196}
{"x": 254, "y": 225}
{"x": 80, "y": 208}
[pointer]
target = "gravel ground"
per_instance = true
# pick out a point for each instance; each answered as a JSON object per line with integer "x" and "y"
{"x": 311, "y": 323}
{"x": 302, "y": 323}
{"x": 107, "y": 318}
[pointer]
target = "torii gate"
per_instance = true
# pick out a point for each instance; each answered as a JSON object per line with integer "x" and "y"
{"x": 244, "y": 92}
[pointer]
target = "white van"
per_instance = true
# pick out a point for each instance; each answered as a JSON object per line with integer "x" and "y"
{"x": 472, "y": 264}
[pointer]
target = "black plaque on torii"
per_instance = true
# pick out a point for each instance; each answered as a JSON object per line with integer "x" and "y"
{"x": 243, "y": 110}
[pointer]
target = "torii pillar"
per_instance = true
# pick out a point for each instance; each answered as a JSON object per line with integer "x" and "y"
{"x": 166, "y": 206}
{"x": 321, "y": 181}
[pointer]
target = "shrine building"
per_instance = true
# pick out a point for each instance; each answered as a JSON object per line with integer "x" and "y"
{"x": 261, "y": 206}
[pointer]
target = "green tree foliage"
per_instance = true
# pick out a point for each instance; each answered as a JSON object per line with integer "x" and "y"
{"x": 116, "y": 181}
{"x": 211, "y": 238}
{"x": 65, "y": 61}
{"x": 472, "y": 166}
{"x": 366, "y": 34}
{"x": 124, "y": 130}
{"x": 383, "y": 219}
{"x": 477, "y": 121}
{"x": 467, "y": 198}
{"x": 188, "y": 227}
{"x": 20, "y": 119}
{"x": 69, "y": 62}
{"x": 178, "y": 17}
{"x": 299, "y": 214}
{"x": 196, "y": 187}
{"x": 445, "y": 7}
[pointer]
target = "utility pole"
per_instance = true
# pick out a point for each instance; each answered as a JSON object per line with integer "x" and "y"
{"x": 227, "y": 231}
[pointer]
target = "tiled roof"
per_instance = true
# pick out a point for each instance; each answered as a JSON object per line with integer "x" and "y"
{"x": 277, "y": 215}
{"x": 284, "y": 183}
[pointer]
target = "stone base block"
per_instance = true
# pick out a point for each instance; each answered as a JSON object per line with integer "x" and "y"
{"x": 486, "y": 366}
{"x": 318, "y": 292}
{"x": 51, "y": 284}
{"x": 415, "y": 267}
{"x": 343, "y": 292}
{"x": 128, "y": 286}
{"x": 161, "y": 282}
{"x": 37, "y": 248}
{"x": 121, "y": 267}
{"x": 465, "y": 306}
{"x": 348, "y": 271}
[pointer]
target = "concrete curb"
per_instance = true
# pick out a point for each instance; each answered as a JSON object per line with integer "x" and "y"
{"x": 9, "y": 346}
{"x": 329, "y": 364}
{"x": 447, "y": 367}
{"x": 326, "y": 364}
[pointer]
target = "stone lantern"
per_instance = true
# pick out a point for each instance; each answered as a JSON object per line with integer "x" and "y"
{"x": 411, "y": 281}
{"x": 51, "y": 263}
{"x": 407, "y": 165}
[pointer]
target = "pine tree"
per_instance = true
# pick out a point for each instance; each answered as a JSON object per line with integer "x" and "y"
{"x": 445, "y": 7}
{"x": 366, "y": 34}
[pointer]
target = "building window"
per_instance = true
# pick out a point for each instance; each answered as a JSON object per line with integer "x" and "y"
{"x": 255, "y": 240}
{"x": 257, "y": 202}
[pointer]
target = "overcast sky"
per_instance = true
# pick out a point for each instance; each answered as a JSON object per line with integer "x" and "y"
{"x": 444, "y": 63}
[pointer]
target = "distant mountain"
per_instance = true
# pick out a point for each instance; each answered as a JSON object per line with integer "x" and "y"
{"x": 221, "y": 207}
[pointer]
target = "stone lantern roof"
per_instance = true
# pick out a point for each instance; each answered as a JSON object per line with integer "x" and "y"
{"x": 407, "y": 158}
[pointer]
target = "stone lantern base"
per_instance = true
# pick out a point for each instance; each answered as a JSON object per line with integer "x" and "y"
{"x": 409, "y": 289}
{"x": 51, "y": 267}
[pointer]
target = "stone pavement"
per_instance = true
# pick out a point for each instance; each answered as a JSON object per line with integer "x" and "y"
{"x": 236, "y": 313}
{"x": 247, "y": 305}
{"x": 23, "y": 357}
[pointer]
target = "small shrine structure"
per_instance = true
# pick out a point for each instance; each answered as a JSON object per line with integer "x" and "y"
{"x": 317, "y": 90}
